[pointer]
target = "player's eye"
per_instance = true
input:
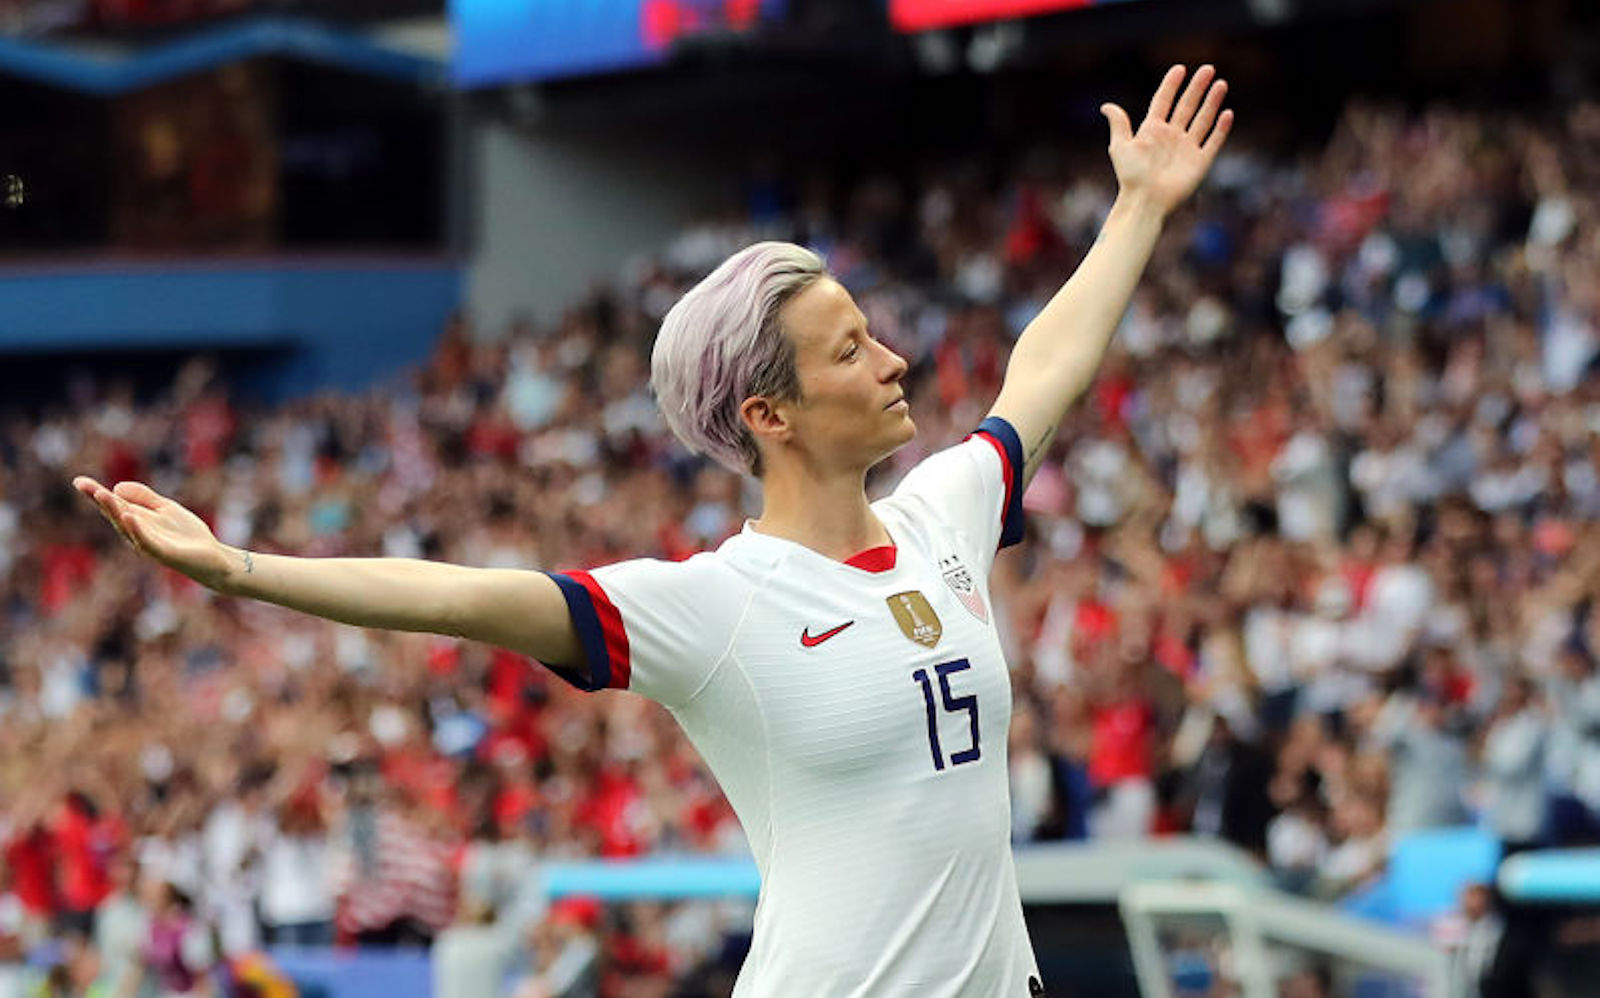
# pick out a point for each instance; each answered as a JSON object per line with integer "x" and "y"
{"x": 851, "y": 351}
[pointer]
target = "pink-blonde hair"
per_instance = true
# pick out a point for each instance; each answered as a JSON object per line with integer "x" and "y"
{"x": 722, "y": 343}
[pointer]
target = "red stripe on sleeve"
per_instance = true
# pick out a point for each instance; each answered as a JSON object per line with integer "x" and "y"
{"x": 1005, "y": 466}
{"x": 611, "y": 626}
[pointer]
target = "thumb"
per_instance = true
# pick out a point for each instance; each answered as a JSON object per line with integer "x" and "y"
{"x": 1117, "y": 118}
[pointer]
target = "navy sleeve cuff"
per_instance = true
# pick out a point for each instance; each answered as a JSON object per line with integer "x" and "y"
{"x": 1004, "y": 434}
{"x": 586, "y": 621}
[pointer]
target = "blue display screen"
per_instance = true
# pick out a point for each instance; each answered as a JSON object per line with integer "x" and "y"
{"x": 507, "y": 41}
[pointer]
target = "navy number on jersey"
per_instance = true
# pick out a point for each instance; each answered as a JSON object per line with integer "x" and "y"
{"x": 952, "y": 704}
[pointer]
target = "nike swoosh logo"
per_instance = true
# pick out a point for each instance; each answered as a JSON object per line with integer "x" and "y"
{"x": 810, "y": 640}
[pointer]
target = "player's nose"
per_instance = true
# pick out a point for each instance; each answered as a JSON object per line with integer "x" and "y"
{"x": 895, "y": 366}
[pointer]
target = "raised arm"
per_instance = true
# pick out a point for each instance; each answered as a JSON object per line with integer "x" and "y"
{"x": 1157, "y": 167}
{"x": 520, "y": 610}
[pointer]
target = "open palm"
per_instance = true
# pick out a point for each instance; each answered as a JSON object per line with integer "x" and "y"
{"x": 1176, "y": 143}
{"x": 159, "y": 528}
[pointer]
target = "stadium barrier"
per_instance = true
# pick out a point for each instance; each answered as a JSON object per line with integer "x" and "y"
{"x": 1046, "y": 874}
{"x": 1120, "y": 895}
{"x": 1553, "y": 876}
{"x": 1265, "y": 935}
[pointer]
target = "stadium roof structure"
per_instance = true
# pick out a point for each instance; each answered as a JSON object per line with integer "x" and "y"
{"x": 91, "y": 70}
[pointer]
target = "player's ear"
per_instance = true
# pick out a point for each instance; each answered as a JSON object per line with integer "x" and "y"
{"x": 766, "y": 418}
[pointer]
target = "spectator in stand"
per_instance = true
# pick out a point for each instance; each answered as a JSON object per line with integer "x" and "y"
{"x": 121, "y": 927}
{"x": 1360, "y": 849}
{"x": 13, "y": 944}
{"x": 1230, "y": 790}
{"x": 1473, "y": 936}
{"x": 297, "y": 897}
{"x": 178, "y": 955}
{"x": 565, "y": 953}
{"x": 398, "y": 887}
{"x": 1121, "y": 753}
{"x": 1576, "y": 689}
{"x": 1427, "y": 760}
{"x": 1032, "y": 776}
{"x": 1515, "y": 806}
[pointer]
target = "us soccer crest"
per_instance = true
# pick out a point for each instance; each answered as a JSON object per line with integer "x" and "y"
{"x": 916, "y": 618}
{"x": 964, "y": 586}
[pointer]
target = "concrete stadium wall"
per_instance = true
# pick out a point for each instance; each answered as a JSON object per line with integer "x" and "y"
{"x": 554, "y": 213}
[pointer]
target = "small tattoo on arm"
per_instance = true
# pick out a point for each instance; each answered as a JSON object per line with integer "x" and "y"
{"x": 1038, "y": 448}
{"x": 249, "y": 563}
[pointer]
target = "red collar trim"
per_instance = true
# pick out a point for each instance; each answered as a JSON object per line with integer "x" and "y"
{"x": 879, "y": 559}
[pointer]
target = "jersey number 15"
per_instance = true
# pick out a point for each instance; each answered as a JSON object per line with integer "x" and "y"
{"x": 952, "y": 704}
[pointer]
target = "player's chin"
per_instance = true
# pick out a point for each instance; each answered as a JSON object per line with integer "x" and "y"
{"x": 897, "y": 437}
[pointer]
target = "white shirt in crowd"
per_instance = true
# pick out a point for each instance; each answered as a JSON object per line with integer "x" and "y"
{"x": 1513, "y": 763}
{"x": 296, "y": 871}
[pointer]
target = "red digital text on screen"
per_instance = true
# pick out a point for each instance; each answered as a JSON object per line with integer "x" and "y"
{"x": 665, "y": 21}
{"x": 923, "y": 15}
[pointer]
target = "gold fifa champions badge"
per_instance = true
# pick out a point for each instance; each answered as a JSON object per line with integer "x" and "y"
{"x": 916, "y": 618}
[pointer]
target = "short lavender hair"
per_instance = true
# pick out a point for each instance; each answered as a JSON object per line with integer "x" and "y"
{"x": 722, "y": 343}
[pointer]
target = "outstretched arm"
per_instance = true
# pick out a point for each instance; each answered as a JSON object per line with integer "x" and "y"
{"x": 1157, "y": 167}
{"x": 523, "y": 611}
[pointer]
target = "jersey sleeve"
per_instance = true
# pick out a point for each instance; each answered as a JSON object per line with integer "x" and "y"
{"x": 647, "y": 626}
{"x": 975, "y": 486}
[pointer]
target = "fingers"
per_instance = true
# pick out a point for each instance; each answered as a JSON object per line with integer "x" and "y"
{"x": 102, "y": 497}
{"x": 117, "y": 511}
{"x": 86, "y": 485}
{"x": 1117, "y": 118}
{"x": 1190, "y": 101}
{"x": 1200, "y": 127}
{"x": 1219, "y": 135}
{"x": 140, "y": 494}
{"x": 113, "y": 510}
{"x": 1161, "y": 103}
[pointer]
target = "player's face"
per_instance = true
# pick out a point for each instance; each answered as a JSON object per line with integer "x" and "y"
{"x": 853, "y": 409}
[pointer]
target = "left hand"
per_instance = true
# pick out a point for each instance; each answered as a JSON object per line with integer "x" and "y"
{"x": 1176, "y": 143}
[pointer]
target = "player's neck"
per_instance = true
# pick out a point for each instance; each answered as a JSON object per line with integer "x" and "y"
{"x": 830, "y": 516}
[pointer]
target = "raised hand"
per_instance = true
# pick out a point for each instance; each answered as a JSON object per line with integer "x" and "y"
{"x": 160, "y": 529}
{"x": 1176, "y": 143}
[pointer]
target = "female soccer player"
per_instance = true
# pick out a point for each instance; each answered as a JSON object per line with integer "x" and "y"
{"x": 836, "y": 663}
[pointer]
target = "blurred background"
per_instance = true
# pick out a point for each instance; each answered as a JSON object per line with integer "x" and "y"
{"x": 1304, "y": 627}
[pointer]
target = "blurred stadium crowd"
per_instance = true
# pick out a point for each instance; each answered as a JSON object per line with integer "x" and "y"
{"x": 1313, "y": 566}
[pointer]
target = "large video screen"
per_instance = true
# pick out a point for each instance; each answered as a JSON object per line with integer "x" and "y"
{"x": 923, "y": 15}
{"x": 508, "y": 41}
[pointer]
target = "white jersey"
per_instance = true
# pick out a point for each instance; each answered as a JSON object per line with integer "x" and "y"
{"x": 856, "y": 716}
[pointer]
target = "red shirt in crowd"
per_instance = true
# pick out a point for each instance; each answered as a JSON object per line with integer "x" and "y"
{"x": 208, "y": 425}
{"x": 609, "y": 810}
{"x": 427, "y": 776}
{"x": 30, "y": 856}
{"x": 513, "y": 804}
{"x": 511, "y": 678}
{"x": 1093, "y": 623}
{"x": 124, "y": 463}
{"x": 64, "y": 570}
{"x": 84, "y": 846}
{"x": 1121, "y": 742}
